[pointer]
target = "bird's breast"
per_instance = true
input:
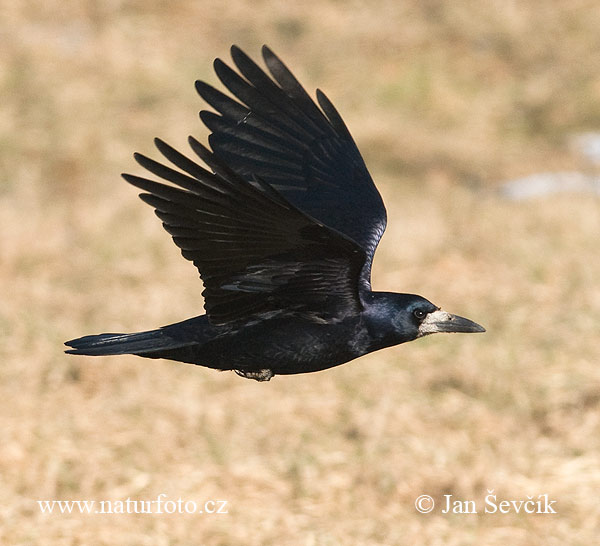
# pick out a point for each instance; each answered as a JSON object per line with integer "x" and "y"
{"x": 288, "y": 346}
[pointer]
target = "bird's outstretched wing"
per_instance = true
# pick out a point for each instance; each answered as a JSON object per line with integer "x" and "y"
{"x": 278, "y": 133}
{"x": 258, "y": 255}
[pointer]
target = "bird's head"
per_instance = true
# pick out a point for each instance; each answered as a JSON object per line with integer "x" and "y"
{"x": 408, "y": 317}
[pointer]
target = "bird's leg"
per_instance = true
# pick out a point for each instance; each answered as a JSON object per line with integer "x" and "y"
{"x": 261, "y": 375}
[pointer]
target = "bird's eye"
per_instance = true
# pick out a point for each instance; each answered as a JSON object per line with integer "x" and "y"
{"x": 419, "y": 314}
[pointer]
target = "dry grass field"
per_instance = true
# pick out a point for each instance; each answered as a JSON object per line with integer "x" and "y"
{"x": 446, "y": 100}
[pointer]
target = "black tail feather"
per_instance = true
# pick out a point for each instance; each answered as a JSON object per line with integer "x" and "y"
{"x": 119, "y": 344}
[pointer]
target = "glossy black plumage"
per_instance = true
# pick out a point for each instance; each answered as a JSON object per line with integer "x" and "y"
{"x": 282, "y": 229}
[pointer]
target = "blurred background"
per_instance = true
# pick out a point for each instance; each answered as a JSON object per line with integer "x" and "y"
{"x": 478, "y": 120}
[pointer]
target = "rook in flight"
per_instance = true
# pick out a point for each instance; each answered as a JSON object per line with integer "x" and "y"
{"x": 282, "y": 227}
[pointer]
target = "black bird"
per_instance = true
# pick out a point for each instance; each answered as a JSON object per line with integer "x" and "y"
{"x": 282, "y": 229}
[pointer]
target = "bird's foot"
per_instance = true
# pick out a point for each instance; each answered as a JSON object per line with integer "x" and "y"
{"x": 260, "y": 375}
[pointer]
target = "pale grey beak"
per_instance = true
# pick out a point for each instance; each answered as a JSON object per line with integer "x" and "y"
{"x": 440, "y": 321}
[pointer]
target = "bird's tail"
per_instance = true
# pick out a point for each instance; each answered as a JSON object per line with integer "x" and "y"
{"x": 152, "y": 343}
{"x": 119, "y": 344}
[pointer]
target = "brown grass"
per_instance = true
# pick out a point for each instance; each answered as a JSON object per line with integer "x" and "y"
{"x": 446, "y": 99}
